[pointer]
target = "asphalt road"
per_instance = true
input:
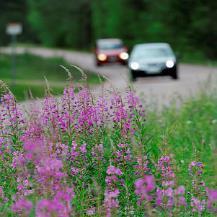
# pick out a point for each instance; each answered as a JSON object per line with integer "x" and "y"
{"x": 153, "y": 90}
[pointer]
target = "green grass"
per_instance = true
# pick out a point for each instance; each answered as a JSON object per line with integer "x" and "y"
{"x": 31, "y": 72}
{"x": 189, "y": 134}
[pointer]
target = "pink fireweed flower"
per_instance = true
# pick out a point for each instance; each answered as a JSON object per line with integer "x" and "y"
{"x": 24, "y": 186}
{"x": 167, "y": 174}
{"x": 102, "y": 114}
{"x": 49, "y": 208}
{"x": 196, "y": 168}
{"x": 2, "y": 141}
{"x": 22, "y": 207}
{"x": 179, "y": 194}
{"x": 65, "y": 197}
{"x": 61, "y": 150}
{"x": 1, "y": 192}
{"x": 119, "y": 114}
{"x": 198, "y": 190}
{"x": 123, "y": 154}
{"x": 50, "y": 112}
{"x": 144, "y": 187}
{"x": 142, "y": 166}
{"x": 212, "y": 199}
{"x": 134, "y": 104}
{"x": 19, "y": 159}
{"x": 165, "y": 197}
{"x": 119, "y": 111}
{"x": 78, "y": 160}
{"x": 50, "y": 168}
{"x": 74, "y": 171}
{"x": 12, "y": 121}
{"x": 9, "y": 112}
{"x": 110, "y": 201}
{"x": 113, "y": 171}
{"x": 98, "y": 159}
{"x": 87, "y": 113}
{"x": 49, "y": 174}
{"x": 91, "y": 211}
{"x": 36, "y": 149}
{"x": 97, "y": 152}
{"x": 198, "y": 205}
{"x": 111, "y": 192}
{"x": 83, "y": 149}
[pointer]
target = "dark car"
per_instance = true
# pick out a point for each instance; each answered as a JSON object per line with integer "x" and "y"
{"x": 110, "y": 50}
{"x": 152, "y": 59}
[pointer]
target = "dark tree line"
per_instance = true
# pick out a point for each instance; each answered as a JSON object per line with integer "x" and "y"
{"x": 186, "y": 24}
{"x": 15, "y": 11}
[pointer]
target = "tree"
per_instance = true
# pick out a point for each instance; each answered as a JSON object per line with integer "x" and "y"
{"x": 62, "y": 23}
{"x": 14, "y": 11}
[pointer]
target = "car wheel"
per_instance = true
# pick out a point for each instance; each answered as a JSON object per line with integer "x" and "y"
{"x": 98, "y": 63}
{"x": 124, "y": 63}
{"x": 174, "y": 75}
{"x": 133, "y": 76}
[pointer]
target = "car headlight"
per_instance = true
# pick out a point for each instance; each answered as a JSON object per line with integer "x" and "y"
{"x": 124, "y": 55}
{"x": 134, "y": 65}
{"x": 170, "y": 63}
{"x": 101, "y": 57}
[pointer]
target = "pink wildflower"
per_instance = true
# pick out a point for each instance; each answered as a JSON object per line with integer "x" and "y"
{"x": 144, "y": 187}
{"x": 22, "y": 207}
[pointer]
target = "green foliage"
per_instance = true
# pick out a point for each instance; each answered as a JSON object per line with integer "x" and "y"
{"x": 61, "y": 23}
{"x": 15, "y": 11}
{"x": 188, "y": 133}
{"x": 189, "y": 25}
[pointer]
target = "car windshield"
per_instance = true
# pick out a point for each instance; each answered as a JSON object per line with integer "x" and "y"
{"x": 152, "y": 52}
{"x": 110, "y": 45}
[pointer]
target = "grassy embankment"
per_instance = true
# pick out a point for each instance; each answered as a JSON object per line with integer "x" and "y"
{"x": 189, "y": 133}
{"x": 31, "y": 72}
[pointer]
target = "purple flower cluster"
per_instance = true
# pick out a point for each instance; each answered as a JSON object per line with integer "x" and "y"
{"x": 123, "y": 154}
{"x": 198, "y": 192}
{"x": 111, "y": 193}
{"x": 168, "y": 196}
{"x": 78, "y": 159}
{"x": 55, "y": 160}
{"x": 141, "y": 168}
{"x": 135, "y": 105}
{"x": 11, "y": 117}
{"x": 39, "y": 170}
{"x": 144, "y": 187}
{"x": 22, "y": 207}
{"x": 98, "y": 156}
{"x": 212, "y": 199}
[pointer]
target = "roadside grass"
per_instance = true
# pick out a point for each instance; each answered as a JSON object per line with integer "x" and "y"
{"x": 31, "y": 72}
{"x": 188, "y": 134}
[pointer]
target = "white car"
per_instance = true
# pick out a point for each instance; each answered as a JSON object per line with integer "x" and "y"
{"x": 152, "y": 59}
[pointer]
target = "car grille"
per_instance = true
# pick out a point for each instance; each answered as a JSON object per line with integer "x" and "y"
{"x": 112, "y": 58}
{"x": 158, "y": 65}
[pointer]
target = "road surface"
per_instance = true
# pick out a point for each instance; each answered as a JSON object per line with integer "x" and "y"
{"x": 153, "y": 90}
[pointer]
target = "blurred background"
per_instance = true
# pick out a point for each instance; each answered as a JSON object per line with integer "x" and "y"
{"x": 188, "y": 25}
